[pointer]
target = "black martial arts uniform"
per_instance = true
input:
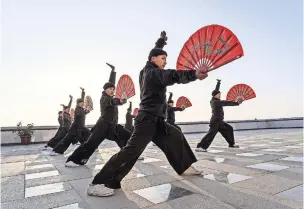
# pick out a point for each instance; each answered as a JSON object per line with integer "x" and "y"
{"x": 64, "y": 121}
{"x": 77, "y": 130}
{"x": 217, "y": 123}
{"x": 107, "y": 127}
{"x": 150, "y": 126}
{"x": 129, "y": 119}
{"x": 171, "y": 116}
{"x": 60, "y": 125}
{"x": 171, "y": 113}
{"x": 51, "y": 142}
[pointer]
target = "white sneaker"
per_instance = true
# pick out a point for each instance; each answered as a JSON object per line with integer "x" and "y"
{"x": 54, "y": 153}
{"x": 191, "y": 171}
{"x": 99, "y": 190}
{"x": 200, "y": 150}
{"x": 141, "y": 158}
{"x": 84, "y": 161}
{"x": 71, "y": 164}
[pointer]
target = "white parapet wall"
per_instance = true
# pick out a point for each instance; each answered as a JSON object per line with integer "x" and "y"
{"x": 242, "y": 125}
{"x": 45, "y": 133}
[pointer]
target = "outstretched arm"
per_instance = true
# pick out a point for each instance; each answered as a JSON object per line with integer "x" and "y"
{"x": 109, "y": 101}
{"x": 177, "y": 109}
{"x": 218, "y": 84}
{"x": 82, "y": 93}
{"x": 169, "y": 77}
{"x": 226, "y": 103}
{"x": 112, "y": 78}
{"x": 70, "y": 102}
{"x": 86, "y": 111}
{"x": 80, "y": 112}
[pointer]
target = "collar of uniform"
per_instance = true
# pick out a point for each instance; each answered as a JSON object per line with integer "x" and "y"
{"x": 105, "y": 94}
{"x": 151, "y": 64}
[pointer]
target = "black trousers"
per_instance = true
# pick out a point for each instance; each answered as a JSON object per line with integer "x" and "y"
{"x": 173, "y": 124}
{"x": 224, "y": 128}
{"x": 147, "y": 128}
{"x": 55, "y": 140}
{"x": 130, "y": 128}
{"x": 70, "y": 137}
{"x": 100, "y": 132}
{"x": 52, "y": 139}
{"x": 58, "y": 130}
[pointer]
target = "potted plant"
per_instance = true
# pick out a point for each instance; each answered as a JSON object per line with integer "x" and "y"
{"x": 25, "y": 133}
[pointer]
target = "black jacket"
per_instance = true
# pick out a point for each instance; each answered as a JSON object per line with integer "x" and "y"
{"x": 108, "y": 108}
{"x": 79, "y": 118}
{"x": 129, "y": 121}
{"x": 171, "y": 113}
{"x": 60, "y": 121}
{"x": 66, "y": 123}
{"x": 217, "y": 109}
{"x": 153, "y": 82}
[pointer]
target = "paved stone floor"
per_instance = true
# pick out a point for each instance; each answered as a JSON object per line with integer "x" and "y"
{"x": 266, "y": 173}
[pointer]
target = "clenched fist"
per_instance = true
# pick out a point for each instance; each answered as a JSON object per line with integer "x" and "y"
{"x": 123, "y": 101}
{"x": 201, "y": 74}
{"x": 163, "y": 35}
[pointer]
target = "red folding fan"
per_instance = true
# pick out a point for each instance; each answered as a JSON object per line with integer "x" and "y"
{"x": 125, "y": 88}
{"x": 209, "y": 48}
{"x": 72, "y": 113}
{"x": 135, "y": 111}
{"x": 240, "y": 91}
{"x": 183, "y": 102}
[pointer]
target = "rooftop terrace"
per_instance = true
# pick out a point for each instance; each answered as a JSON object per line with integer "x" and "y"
{"x": 266, "y": 172}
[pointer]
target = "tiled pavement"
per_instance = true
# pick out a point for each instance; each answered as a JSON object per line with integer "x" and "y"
{"x": 266, "y": 172}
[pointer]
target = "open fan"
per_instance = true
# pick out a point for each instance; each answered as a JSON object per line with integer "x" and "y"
{"x": 88, "y": 102}
{"x": 209, "y": 48}
{"x": 183, "y": 102}
{"x": 240, "y": 91}
{"x": 135, "y": 111}
{"x": 72, "y": 113}
{"x": 125, "y": 88}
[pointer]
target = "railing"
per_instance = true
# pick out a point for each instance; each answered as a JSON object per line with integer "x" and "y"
{"x": 44, "y": 133}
